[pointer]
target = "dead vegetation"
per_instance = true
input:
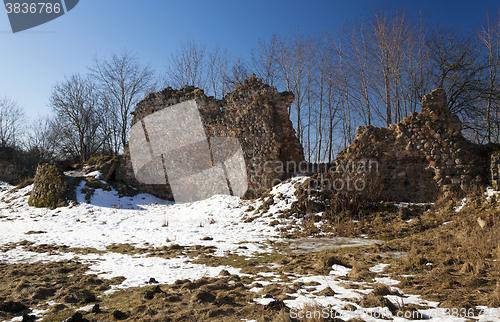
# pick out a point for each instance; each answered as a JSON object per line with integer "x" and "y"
{"x": 444, "y": 255}
{"x": 454, "y": 255}
{"x": 66, "y": 283}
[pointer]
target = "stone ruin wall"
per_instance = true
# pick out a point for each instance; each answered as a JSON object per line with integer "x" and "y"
{"x": 418, "y": 159}
{"x": 495, "y": 170}
{"x": 254, "y": 113}
{"x": 422, "y": 157}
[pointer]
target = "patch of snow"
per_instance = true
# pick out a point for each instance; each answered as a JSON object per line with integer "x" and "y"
{"x": 339, "y": 270}
{"x": 287, "y": 188}
{"x": 5, "y": 186}
{"x": 264, "y": 283}
{"x": 490, "y": 192}
{"x": 386, "y": 281}
{"x": 33, "y": 312}
{"x": 138, "y": 270}
{"x": 109, "y": 219}
{"x": 255, "y": 289}
{"x": 18, "y": 255}
{"x": 264, "y": 300}
{"x": 461, "y": 205}
{"x": 378, "y": 268}
{"x": 409, "y": 204}
{"x": 86, "y": 308}
{"x": 95, "y": 174}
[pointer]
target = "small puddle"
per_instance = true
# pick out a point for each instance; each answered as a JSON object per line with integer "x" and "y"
{"x": 308, "y": 244}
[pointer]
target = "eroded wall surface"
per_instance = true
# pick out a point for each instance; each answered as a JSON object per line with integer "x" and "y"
{"x": 255, "y": 114}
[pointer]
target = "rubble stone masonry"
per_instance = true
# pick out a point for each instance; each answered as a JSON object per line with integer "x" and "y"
{"x": 419, "y": 159}
{"x": 424, "y": 156}
{"x": 254, "y": 113}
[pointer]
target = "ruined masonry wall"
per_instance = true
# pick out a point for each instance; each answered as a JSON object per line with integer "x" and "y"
{"x": 254, "y": 113}
{"x": 424, "y": 156}
{"x": 495, "y": 170}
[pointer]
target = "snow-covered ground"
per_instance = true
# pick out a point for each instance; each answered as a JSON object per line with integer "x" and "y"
{"x": 146, "y": 221}
{"x": 142, "y": 220}
{"x": 136, "y": 220}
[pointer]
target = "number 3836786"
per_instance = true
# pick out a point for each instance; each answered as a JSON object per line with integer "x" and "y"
{"x": 33, "y": 7}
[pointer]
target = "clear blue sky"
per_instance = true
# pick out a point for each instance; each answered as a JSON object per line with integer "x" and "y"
{"x": 33, "y": 61}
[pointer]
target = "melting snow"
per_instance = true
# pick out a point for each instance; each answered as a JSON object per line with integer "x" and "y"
{"x": 147, "y": 221}
{"x": 339, "y": 270}
{"x": 378, "y": 268}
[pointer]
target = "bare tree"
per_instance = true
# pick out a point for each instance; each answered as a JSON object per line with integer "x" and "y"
{"x": 489, "y": 37}
{"x": 264, "y": 60}
{"x": 456, "y": 67}
{"x": 354, "y": 52}
{"x": 213, "y": 70}
{"x": 237, "y": 74}
{"x": 323, "y": 59}
{"x": 123, "y": 82}
{"x": 332, "y": 102}
{"x": 218, "y": 70}
{"x": 381, "y": 43}
{"x": 11, "y": 122}
{"x": 187, "y": 65}
{"x": 293, "y": 54}
{"x": 345, "y": 112}
{"x": 390, "y": 45}
{"x": 40, "y": 143}
{"x": 418, "y": 83}
{"x": 358, "y": 59}
{"x": 80, "y": 114}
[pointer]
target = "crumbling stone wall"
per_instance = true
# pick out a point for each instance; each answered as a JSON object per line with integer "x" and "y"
{"x": 254, "y": 113}
{"x": 49, "y": 186}
{"x": 422, "y": 157}
{"x": 495, "y": 170}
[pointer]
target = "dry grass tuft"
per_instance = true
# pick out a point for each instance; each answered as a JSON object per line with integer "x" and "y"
{"x": 373, "y": 300}
{"x": 360, "y": 272}
{"x": 314, "y": 312}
